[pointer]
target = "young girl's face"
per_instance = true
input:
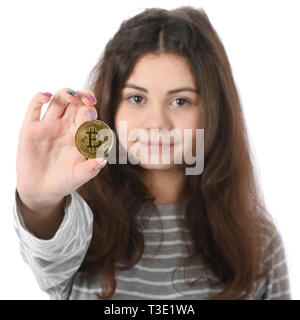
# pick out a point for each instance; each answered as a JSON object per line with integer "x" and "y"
{"x": 152, "y": 111}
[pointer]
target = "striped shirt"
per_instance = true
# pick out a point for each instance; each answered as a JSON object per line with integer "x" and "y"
{"x": 54, "y": 262}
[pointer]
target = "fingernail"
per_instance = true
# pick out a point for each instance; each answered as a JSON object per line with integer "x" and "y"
{"x": 48, "y": 94}
{"x": 91, "y": 98}
{"x": 90, "y": 115}
{"x": 101, "y": 165}
{"x": 72, "y": 93}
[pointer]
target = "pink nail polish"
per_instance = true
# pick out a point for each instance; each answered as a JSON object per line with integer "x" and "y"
{"x": 91, "y": 98}
{"x": 101, "y": 165}
{"x": 48, "y": 94}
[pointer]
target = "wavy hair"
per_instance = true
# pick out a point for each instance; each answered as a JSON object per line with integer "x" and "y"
{"x": 225, "y": 211}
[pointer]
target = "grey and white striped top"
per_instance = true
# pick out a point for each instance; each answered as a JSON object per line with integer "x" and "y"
{"x": 55, "y": 262}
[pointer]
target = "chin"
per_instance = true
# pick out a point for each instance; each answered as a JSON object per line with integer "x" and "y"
{"x": 159, "y": 166}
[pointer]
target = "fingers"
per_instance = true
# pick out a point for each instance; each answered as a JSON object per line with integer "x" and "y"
{"x": 76, "y": 112}
{"x": 63, "y": 105}
{"x": 58, "y": 104}
{"x": 33, "y": 112}
{"x": 85, "y": 113}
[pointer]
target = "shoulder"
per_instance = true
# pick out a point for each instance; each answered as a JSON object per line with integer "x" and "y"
{"x": 276, "y": 283}
{"x": 274, "y": 248}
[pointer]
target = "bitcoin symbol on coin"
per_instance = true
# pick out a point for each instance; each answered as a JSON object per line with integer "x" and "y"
{"x": 94, "y": 139}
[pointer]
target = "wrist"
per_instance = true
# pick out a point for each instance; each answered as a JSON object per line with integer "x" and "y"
{"x": 37, "y": 204}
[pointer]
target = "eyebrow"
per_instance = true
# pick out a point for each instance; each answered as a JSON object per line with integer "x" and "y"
{"x": 130, "y": 85}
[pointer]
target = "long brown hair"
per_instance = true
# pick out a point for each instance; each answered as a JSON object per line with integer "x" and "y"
{"x": 225, "y": 210}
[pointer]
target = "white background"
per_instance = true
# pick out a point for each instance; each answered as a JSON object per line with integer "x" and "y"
{"x": 49, "y": 45}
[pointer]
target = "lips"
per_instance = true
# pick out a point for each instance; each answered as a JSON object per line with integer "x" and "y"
{"x": 156, "y": 144}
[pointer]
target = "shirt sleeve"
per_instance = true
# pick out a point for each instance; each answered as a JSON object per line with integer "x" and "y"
{"x": 55, "y": 261}
{"x": 277, "y": 284}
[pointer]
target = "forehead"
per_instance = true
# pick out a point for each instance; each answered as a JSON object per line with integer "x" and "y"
{"x": 166, "y": 69}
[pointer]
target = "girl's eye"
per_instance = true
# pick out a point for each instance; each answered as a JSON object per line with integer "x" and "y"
{"x": 135, "y": 100}
{"x": 180, "y": 100}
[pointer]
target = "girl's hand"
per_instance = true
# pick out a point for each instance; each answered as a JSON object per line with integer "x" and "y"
{"x": 48, "y": 165}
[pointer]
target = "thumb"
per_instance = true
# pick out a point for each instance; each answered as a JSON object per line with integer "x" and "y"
{"x": 88, "y": 169}
{"x": 84, "y": 114}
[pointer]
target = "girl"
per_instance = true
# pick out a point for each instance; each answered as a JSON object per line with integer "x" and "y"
{"x": 148, "y": 230}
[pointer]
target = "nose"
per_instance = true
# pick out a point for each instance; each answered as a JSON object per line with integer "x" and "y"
{"x": 157, "y": 117}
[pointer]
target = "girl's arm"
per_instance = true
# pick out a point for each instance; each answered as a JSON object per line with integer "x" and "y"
{"x": 54, "y": 261}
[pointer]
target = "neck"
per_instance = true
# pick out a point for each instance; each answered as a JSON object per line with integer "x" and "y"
{"x": 164, "y": 185}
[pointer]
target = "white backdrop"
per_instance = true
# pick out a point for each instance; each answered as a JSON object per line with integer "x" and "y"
{"x": 49, "y": 45}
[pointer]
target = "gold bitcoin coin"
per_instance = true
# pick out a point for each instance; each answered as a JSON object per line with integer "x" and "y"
{"x": 94, "y": 139}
